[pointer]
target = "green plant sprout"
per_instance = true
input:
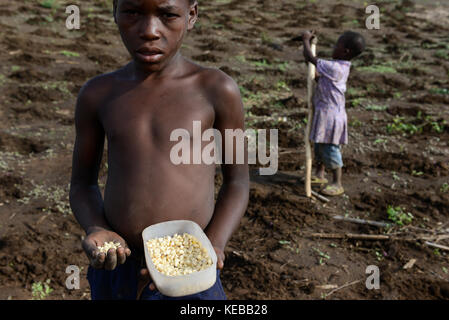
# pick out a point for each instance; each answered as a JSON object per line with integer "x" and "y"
{"x": 444, "y": 188}
{"x": 48, "y": 4}
{"x": 374, "y": 107}
{"x": 398, "y": 216}
{"x": 399, "y": 125}
{"x": 322, "y": 256}
{"x": 41, "y": 291}
{"x": 69, "y": 53}
{"x": 417, "y": 173}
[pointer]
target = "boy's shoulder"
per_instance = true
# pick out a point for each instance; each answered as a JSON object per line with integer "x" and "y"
{"x": 100, "y": 85}
{"x": 96, "y": 89}
{"x": 218, "y": 84}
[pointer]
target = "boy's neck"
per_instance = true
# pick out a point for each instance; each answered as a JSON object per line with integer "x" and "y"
{"x": 341, "y": 58}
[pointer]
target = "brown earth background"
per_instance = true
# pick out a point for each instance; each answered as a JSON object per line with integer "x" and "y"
{"x": 397, "y": 105}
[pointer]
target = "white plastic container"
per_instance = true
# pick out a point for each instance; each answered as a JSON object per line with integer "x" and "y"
{"x": 183, "y": 285}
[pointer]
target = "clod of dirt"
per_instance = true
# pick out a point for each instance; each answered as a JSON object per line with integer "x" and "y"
{"x": 29, "y": 76}
{"x": 23, "y": 145}
{"x": 407, "y": 110}
{"x": 32, "y": 93}
{"x": 8, "y": 186}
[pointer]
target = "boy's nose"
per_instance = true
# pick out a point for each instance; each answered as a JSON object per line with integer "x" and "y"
{"x": 150, "y": 28}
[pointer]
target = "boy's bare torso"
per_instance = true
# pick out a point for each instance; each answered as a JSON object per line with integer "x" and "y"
{"x": 143, "y": 186}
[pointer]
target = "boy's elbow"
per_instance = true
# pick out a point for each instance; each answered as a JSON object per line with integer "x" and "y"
{"x": 77, "y": 185}
{"x": 240, "y": 180}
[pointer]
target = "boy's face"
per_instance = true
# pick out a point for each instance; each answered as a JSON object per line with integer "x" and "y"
{"x": 153, "y": 30}
{"x": 340, "y": 51}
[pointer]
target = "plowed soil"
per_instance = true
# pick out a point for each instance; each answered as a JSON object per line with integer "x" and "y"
{"x": 398, "y": 153}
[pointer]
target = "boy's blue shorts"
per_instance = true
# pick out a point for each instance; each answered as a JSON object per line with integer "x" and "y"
{"x": 121, "y": 284}
{"x": 329, "y": 155}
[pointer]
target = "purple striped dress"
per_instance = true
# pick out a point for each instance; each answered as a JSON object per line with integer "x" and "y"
{"x": 330, "y": 120}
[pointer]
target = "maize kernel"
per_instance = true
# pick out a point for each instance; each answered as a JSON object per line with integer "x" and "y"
{"x": 109, "y": 245}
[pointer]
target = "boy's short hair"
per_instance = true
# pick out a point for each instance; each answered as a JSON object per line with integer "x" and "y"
{"x": 353, "y": 41}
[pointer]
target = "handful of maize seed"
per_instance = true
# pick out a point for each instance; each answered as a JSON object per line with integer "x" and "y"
{"x": 178, "y": 255}
{"x": 109, "y": 245}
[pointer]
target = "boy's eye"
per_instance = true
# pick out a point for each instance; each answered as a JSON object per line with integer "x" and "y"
{"x": 131, "y": 12}
{"x": 169, "y": 15}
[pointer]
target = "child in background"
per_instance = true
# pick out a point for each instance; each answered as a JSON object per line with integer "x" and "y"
{"x": 329, "y": 127}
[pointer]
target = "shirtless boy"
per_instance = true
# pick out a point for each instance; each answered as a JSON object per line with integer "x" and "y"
{"x": 137, "y": 107}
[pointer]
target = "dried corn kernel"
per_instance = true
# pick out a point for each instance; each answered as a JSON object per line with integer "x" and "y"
{"x": 178, "y": 255}
{"x": 109, "y": 245}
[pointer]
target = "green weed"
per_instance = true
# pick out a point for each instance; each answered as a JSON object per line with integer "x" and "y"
{"x": 321, "y": 255}
{"x": 439, "y": 91}
{"x": 444, "y": 188}
{"x": 378, "y": 69}
{"x": 397, "y": 95}
{"x": 417, "y": 173}
{"x": 282, "y": 85}
{"x": 395, "y": 176}
{"x": 266, "y": 39}
{"x": 69, "y": 53}
{"x": 379, "y": 256}
{"x": 380, "y": 141}
{"x": 357, "y": 102}
{"x": 261, "y": 64}
{"x": 49, "y": 4}
{"x": 240, "y": 58}
{"x": 399, "y": 125}
{"x": 355, "y": 92}
{"x": 375, "y": 107}
{"x": 442, "y": 54}
{"x": 2, "y": 79}
{"x": 41, "y": 291}
{"x": 399, "y": 216}
{"x": 283, "y": 66}
{"x": 355, "y": 123}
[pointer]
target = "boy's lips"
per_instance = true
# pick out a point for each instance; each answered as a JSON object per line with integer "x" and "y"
{"x": 149, "y": 54}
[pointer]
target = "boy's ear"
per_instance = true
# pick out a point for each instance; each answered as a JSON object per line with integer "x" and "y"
{"x": 193, "y": 15}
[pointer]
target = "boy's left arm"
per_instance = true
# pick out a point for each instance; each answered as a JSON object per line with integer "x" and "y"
{"x": 233, "y": 196}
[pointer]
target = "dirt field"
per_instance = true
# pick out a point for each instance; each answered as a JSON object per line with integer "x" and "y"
{"x": 398, "y": 154}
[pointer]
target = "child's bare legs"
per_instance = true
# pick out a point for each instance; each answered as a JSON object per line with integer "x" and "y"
{"x": 332, "y": 160}
{"x": 320, "y": 167}
{"x": 337, "y": 178}
{"x": 320, "y": 170}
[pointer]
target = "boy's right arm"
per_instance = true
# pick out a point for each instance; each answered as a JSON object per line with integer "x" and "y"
{"x": 85, "y": 196}
{"x": 308, "y": 55}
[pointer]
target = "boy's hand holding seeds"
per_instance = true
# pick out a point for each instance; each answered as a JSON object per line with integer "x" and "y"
{"x": 137, "y": 108}
{"x": 329, "y": 127}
